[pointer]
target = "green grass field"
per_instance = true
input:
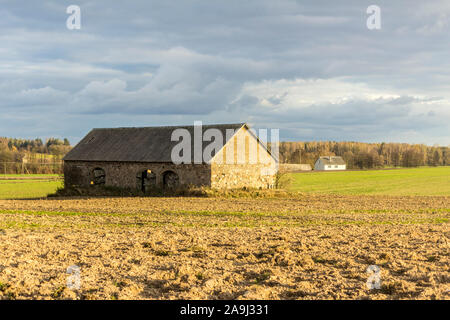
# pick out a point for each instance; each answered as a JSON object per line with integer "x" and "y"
{"x": 414, "y": 181}
{"x": 28, "y": 186}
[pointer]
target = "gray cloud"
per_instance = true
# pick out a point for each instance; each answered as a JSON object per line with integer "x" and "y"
{"x": 153, "y": 62}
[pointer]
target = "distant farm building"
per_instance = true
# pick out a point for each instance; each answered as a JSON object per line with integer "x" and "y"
{"x": 330, "y": 163}
{"x": 142, "y": 158}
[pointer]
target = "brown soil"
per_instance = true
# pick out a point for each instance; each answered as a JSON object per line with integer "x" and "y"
{"x": 313, "y": 247}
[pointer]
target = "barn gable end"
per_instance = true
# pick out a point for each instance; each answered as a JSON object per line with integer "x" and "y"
{"x": 244, "y": 161}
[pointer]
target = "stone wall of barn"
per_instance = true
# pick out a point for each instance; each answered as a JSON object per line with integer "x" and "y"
{"x": 294, "y": 167}
{"x": 225, "y": 176}
{"x": 127, "y": 174}
{"x": 243, "y": 162}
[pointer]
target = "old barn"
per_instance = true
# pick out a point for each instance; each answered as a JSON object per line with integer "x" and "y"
{"x": 142, "y": 158}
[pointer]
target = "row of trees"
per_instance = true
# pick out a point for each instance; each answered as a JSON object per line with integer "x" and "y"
{"x": 52, "y": 146}
{"x": 32, "y": 156}
{"x": 359, "y": 155}
{"x": 35, "y": 156}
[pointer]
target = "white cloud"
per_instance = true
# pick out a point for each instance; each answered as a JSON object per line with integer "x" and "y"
{"x": 300, "y": 93}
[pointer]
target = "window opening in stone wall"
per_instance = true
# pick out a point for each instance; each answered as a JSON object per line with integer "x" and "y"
{"x": 170, "y": 180}
{"x": 99, "y": 177}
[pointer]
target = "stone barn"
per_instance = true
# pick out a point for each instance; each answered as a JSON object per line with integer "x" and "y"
{"x": 218, "y": 156}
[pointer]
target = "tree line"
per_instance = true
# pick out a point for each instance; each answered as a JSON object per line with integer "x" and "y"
{"x": 360, "y": 155}
{"x": 32, "y": 155}
{"x": 37, "y": 156}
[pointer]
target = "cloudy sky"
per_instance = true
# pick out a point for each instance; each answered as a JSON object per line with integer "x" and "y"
{"x": 310, "y": 68}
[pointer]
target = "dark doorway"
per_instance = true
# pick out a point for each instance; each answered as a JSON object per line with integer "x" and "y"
{"x": 170, "y": 180}
{"x": 146, "y": 180}
{"x": 99, "y": 177}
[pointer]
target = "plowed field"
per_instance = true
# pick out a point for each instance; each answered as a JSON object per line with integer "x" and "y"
{"x": 307, "y": 247}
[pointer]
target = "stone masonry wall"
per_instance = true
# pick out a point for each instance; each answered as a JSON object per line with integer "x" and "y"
{"x": 124, "y": 174}
{"x": 294, "y": 167}
{"x": 224, "y": 176}
{"x": 240, "y": 164}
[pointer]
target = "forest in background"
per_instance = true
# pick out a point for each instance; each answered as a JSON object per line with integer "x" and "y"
{"x": 36, "y": 156}
{"x": 360, "y": 155}
{"x": 19, "y": 156}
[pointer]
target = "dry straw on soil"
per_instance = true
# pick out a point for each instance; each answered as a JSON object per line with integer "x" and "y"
{"x": 308, "y": 247}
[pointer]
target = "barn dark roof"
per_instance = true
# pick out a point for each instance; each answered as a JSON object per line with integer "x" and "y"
{"x": 148, "y": 144}
{"x": 332, "y": 160}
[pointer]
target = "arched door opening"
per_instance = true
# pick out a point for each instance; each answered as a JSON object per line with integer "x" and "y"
{"x": 146, "y": 180}
{"x": 99, "y": 177}
{"x": 170, "y": 180}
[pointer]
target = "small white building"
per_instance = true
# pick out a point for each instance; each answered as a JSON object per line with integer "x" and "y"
{"x": 330, "y": 163}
